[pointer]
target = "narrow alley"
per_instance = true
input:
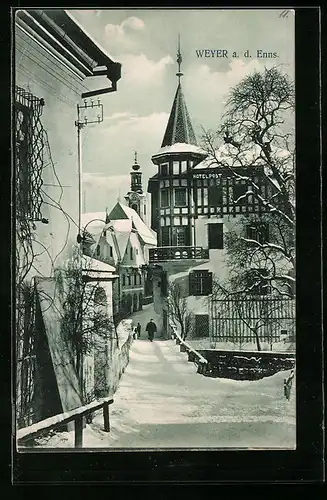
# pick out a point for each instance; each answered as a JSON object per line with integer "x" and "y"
{"x": 163, "y": 402}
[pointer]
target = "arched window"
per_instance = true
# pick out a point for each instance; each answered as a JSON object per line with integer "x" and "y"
{"x": 129, "y": 303}
{"x": 135, "y": 302}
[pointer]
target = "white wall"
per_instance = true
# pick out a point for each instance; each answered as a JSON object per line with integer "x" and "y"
{"x": 38, "y": 72}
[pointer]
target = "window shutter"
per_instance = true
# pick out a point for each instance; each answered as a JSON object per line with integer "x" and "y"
{"x": 216, "y": 236}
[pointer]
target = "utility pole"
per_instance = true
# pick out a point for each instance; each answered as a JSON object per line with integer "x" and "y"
{"x": 80, "y": 123}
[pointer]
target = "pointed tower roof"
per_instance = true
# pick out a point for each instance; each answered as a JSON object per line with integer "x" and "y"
{"x": 179, "y": 127}
{"x": 179, "y": 136}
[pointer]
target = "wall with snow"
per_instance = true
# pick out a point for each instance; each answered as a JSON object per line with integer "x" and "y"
{"x": 34, "y": 67}
{"x": 246, "y": 365}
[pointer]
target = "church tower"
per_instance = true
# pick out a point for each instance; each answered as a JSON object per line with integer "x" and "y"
{"x": 172, "y": 203}
{"x": 136, "y": 198}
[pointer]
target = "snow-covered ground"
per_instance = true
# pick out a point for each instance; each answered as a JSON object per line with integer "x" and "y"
{"x": 161, "y": 402}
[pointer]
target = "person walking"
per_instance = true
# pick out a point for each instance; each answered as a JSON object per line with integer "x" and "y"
{"x": 138, "y": 330}
{"x": 151, "y": 328}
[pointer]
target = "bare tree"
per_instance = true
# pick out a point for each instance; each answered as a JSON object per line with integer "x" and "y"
{"x": 260, "y": 315}
{"x": 178, "y": 310}
{"x": 258, "y": 136}
{"x": 86, "y": 326}
{"x": 264, "y": 248}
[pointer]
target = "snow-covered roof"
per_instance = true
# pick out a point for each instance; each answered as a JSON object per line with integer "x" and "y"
{"x": 135, "y": 242}
{"x": 93, "y": 220}
{"x": 94, "y": 41}
{"x": 135, "y": 221}
{"x": 179, "y": 147}
{"x": 122, "y": 239}
{"x": 228, "y": 155}
{"x": 96, "y": 265}
{"x": 121, "y": 225}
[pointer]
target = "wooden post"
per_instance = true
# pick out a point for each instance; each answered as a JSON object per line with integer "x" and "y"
{"x": 79, "y": 432}
{"x": 106, "y": 419}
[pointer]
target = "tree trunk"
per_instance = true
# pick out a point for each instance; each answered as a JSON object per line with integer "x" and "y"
{"x": 257, "y": 339}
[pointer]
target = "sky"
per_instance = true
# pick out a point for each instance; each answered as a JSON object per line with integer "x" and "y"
{"x": 145, "y": 41}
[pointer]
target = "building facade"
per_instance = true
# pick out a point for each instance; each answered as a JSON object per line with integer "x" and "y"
{"x": 122, "y": 239}
{"x": 54, "y": 58}
{"x": 196, "y": 202}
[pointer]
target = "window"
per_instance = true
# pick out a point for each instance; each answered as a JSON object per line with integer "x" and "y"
{"x": 131, "y": 253}
{"x": 165, "y": 237}
{"x": 201, "y": 325}
{"x": 110, "y": 251}
{"x": 216, "y": 236}
{"x": 176, "y": 170}
{"x": 258, "y": 232}
{"x": 129, "y": 280}
{"x": 29, "y": 154}
{"x": 180, "y": 236}
{"x": 239, "y": 190}
{"x": 215, "y": 195}
{"x": 124, "y": 280}
{"x": 164, "y": 193}
{"x": 200, "y": 282}
{"x": 255, "y": 281}
{"x": 98, "y": 251}
{"x": 180, "y": 197}
{"x": 164, "y": 170}
{"x": 183, "y": 166}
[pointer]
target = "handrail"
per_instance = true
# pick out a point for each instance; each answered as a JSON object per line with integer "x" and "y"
{"x": 288, "y": 382}
{"x": 76, "y": 415}
{"x": 203, "y": 364}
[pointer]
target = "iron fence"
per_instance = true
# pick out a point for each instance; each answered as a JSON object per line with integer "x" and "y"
{"x": 238, "y": 320}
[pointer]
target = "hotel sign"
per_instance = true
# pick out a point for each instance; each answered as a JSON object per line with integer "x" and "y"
{"x": 207, "y": 175}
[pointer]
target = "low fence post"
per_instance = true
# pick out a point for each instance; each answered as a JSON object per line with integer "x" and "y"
{"x": 106, "y": 420}
{"x": 78, "y": 432}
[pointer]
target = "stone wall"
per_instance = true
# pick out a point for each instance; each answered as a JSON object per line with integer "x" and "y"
{"x": 246, "y": 365}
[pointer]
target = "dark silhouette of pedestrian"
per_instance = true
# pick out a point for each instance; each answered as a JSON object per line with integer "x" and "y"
{"x": 151, "y": 329}
{"x": 138, "y": 330}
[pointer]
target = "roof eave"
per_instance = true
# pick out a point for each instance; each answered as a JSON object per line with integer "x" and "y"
{"x": 69, "y": 39}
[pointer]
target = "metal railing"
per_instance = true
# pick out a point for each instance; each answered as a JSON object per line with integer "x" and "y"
{"x": 160, "y": 254}
{"x": 28, "y": 434}
{"x": 193, "y": 355}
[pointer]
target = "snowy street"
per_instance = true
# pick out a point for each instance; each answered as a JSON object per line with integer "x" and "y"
{"x": 162, "y": 402}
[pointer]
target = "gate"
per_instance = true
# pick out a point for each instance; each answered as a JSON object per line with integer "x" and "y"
{"x": 237, "y": 320}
